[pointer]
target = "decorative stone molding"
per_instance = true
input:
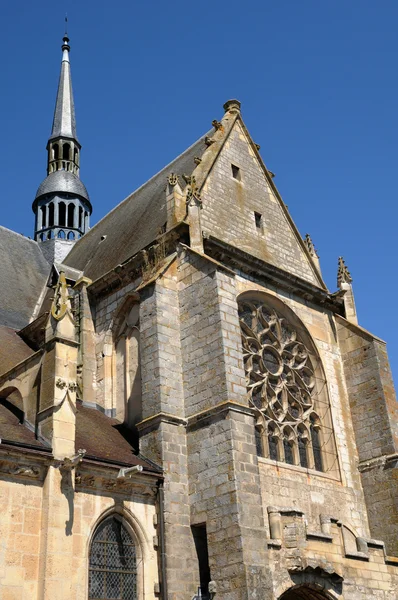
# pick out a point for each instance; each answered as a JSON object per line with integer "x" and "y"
{"x": 70, "y": 463}
{"x": 172, "y": 179}
{"x": 192, "y": 192}
{"x": 24, "y": 470}
{"x": 281, "y": 385}
{"x": 289, "y": 533}
{"x": 217, "y": 125}
{"x": 322, "y": 568}
{"x": 61, "y": 301}
{"x": 310, "y": 246}
{"x": 343, "y": 274}
{"x": 61, "y": 383}
{"x": 387, "y": 461}
{"x": 209, "y": 141}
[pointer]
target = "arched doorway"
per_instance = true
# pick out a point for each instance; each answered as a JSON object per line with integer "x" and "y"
{"x": 303, "y": 592}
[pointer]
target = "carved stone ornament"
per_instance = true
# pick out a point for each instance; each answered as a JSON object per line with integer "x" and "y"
{"x": 172, "y": 179}
{"x": 61, "y": 383}
{"x": 343, "y": 274}
{"x": 61, "y": 298}
{"x": 193, "y": 193}
{"x": 72, "y": 386}
{"x": 310, "y": 246}
{"x": 280, "y": 378}
{"x": 85, "y": 480}
{"x": 25, "y": 470}
{"x": 216, "y": 124}
{"x": 281, "y": 385}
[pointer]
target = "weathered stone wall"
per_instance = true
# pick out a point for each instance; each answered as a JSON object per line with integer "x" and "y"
{"x": 339, "y": 491}
{"x": 46, "y": 527}
{"x": 325, "y": 563}
{"x": 223, "y": 474}
{"x": 20, "y": 519}
{"x": 229, "y": 206}
{"x": 374, "y": 412}
{"x": 162, "y": 431}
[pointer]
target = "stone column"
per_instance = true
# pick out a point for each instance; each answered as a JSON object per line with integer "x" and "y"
{"x": 39, "y": 214}
{"x": 374, "y": 411}
{"x": 87, "y": 363}
{"x": 56, "y": 212}
{"x": 162, "y": 430}
{"x": 223, "y": 471}
{"x": 75, "y": 216}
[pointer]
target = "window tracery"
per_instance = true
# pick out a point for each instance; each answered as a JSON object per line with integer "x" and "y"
{"x": 112, "y": 563}
{"x": 281, "y": 385}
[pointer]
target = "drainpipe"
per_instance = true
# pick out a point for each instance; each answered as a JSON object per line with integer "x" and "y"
{"x": 162, "y": 544}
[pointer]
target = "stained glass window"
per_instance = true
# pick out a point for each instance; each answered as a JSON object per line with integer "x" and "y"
{"x": 113, "y": 564}
{"x": 281, "y": 384}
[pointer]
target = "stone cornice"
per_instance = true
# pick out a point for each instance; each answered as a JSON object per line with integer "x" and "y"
{"x": 263, "y": 272}
{"x": 154, "y": 421}
{"x": 387, "y": 461}
{"x": 132, "y": 268}
{"x": 218, "y": 411}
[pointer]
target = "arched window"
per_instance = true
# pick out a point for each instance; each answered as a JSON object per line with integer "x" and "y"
{"x": 76, "y": 156}
{"x": 61, "y": 214}
{"x": 71, "y": 235}
{"x": 66, "y": 151}
{"x": 55, "y": 152}
{"x": 71, "y": 214}
{"x": 80, "y": 217}
{"x": 43, "y": 216}
{"x": 112, "y": 563}
{"x": 51, "y": 214}
{"x": 287, "y": 387}
{"x": 61, "y": 234}
{"x": 127, "y": 381}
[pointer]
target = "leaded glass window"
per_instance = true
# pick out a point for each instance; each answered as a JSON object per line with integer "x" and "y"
{"x": 281, "y": 385}
{"x": 113, "y": 563}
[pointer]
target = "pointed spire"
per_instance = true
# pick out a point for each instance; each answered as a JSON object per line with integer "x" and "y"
{"x": 343, "y": 274}
{"x": 64, "y": 123}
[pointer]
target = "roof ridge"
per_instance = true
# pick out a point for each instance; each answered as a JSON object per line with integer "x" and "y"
{"x": 20, "y": 234}
{"x": 145, "y": 184}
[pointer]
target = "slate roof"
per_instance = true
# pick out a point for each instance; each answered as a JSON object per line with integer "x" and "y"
{"x": 13, "y": 349}
{"x": 62, "y": 182}
{"x": 64, "y": 122}
{"x": 11, "y": 428}
{"x": 105, "y": 438}
{"x": 131, "y": 225}
{"x": 23, "y": 276}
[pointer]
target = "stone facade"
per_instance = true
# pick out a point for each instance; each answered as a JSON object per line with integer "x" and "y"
{"x": 265, "y": 463}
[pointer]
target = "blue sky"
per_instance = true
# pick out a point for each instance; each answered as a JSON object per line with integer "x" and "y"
{"x": 318, "y": 86}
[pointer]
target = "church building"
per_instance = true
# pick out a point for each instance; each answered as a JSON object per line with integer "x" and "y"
{"x": 186, "y": 410}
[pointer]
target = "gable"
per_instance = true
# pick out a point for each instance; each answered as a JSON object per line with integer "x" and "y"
{"x": 244, "y": 210}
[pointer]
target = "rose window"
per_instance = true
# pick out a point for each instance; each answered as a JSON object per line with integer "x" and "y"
{"x": 281, "y": 385}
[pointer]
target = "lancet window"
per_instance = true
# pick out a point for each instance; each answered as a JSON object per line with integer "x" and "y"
{"x": 286, "y": 386}
{"x": 127, "y": 372}
{"x": 113, "y": 563}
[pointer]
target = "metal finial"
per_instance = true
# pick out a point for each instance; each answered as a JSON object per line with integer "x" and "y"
{"x": 66, "y": 24}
